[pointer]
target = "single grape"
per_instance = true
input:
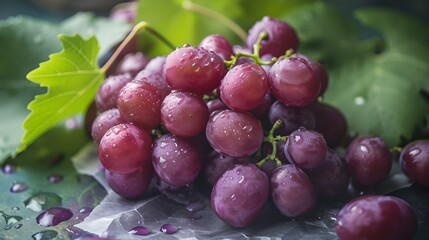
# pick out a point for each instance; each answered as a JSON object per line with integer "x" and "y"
{"x": 234, "y": 134}
{"x": 244, "y": 87}
{"x": 281, "y": 36}
{"x": 194, "y": 69}
{"x": 369, "y": 160}
{"x": 125, "y": 148}
{"x": 156, "y": 79}
{"x": 184, "y": 114}
{"x": 218, "y": 44}
{"x": 130, "y": 185}
{"x": 107, "y": 94}
{"x": 104, "y": 122}
{"x": 132, "y": 63}
{"x": 320, "y": 72}
{"x": 140, "y": 103}
{"x": 306, "y": 148}
{"x": 292, "y": 191}
{"x": 216, "y": 105}
{"x": 330, "y": 122}
{"x": 376, "y": 217}
{"x": 240, "y": 194}
{"x": 176, "y": 160}
{"x": 126, "y": 12}
{"x": 414, "y": 161}
{"x": 216, "y": 164}
{"x": 331, "y": 179}
{"x": 293, "y": 118}
{"x": 293, "y": 82}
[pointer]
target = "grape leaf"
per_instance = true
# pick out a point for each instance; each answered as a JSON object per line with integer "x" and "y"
{"x": 18, "y": 36}
{"x": 379, "y": 93}
{"x": 72, "y": 78}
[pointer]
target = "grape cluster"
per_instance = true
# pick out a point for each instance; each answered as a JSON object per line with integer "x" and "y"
{"x": 247, "y": 121}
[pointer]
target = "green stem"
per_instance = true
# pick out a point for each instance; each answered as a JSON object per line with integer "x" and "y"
{"x": 273, "y": 141}
{"x": 136, "y": 29}
{"x": 193, "y": 7}
{"x": 396, "y": 149}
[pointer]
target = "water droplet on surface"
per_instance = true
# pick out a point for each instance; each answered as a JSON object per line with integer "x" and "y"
{"x": 18, "y": 226}
{"x": 15, "y": 208}
{"x": 10, "y": 219}
{"x": 18, "y": 187}
{"x": 140, "y": 230}
{"x": 85, "y": 210}
{"x": 359, "y": 101}
{"x": 42, "y": 200}
{"x": 168, "y": 228}
{"x": 54, "y": 216}
{"x": 55, "y": 178}
{"x": 45, "y": 235}
{"x": 9, "y": 169}
{"x": 195, "y": 206}
{"x": 195, "y": 216}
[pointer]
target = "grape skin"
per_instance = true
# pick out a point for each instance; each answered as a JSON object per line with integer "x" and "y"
{"x": 330, "y": 122}
{"x": 130, "y": 185}
{"x": 414, "y": 161}
{"x": 107, "y": 95}
{"x": 125, "y": 148}
{"x": 132, "y": 63}
{"x": 292, "y": 191}
{"x": 240, "y": 194}
{"x": 234, "y": 134}
{"x": 376, "y": 217}
{"x": 218, "y": 44}
{"x": 103, "y": 122}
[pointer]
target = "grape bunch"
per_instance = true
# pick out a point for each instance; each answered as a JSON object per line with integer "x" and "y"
{"x": 248, "y": 122}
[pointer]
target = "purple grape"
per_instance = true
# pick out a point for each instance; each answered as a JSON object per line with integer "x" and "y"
{"x": 140, "y": 103}
{"x": 125, "y": 13}
{"x": 132, "y": 63}
{"x": 331, "y": 179}
{"x": 281, "y": 37}
{"x": 240, "y": 194}
{"x": 293, "y": 82}
{"x": 234, "y": 134}
{"x": 262, "y": 109}
{"x": 243, "y": 49}
{"x": 184, "y": 114}
{"x": 125, "y": 148}
{"x": 330, "y": 122}
{"x": 293, "y": 118}
{"x": 369, "y": 160}
{"x": 176, "y": 160}
{"x": 103, "y": 122}
{"x": 244, "y": 87}
{"x": 320, "y": 72}
{"x": 107, "y": 95}
{"x": 376, "y": 217}
{"x": 216, "y": 164}
{"x": 130, "y": 185}
{"x": 194, "y": 70}
{"x": 218, "y": 44}
{"x": 156, "y": 64}
{"x": 216, "y": 105}
{"x": 414, "y": 161}
{"x": 306, "y": 148}
{"x": 156, "y": 79}
{"x": 292, "y": 191}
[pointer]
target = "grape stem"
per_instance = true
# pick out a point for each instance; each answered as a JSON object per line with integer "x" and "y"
{"x": 273, "y": 140}
{"x": 136, "y": 29}
{"x": 256, "y": 54}
{"x": 193, "y": 7}
{"x": 396, "y": 149}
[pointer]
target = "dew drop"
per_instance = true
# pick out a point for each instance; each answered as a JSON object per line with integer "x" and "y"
{"x": 55, "y": 178}
{"x": 85, "y": 210}
{"x": 195, "y": 206}
{"x": 18, "y": 187}
{"x": 18, "y": 226}
{"x": 415, "y": 152}
{"x": 54, "y": 216}
{"x": 45, "y": 235}
{"x": 168, "y": 228}
{"x": 140, "y": 230}
{"x": 42, "y": 200}
{"x": 297, "y": 138}
{"x": 359, "y": 101}
{"x": 195, "y": 216}
{"x": 10, "y": 219}
{"x": 9, "y": 169}
{"x": 15, "y": 208}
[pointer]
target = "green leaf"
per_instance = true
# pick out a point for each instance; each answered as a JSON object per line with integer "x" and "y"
{"x": 73, "y": 192}
{"x": 18, "y": 38}
{"x": 72, "y": 78}
{"x": 379, "y": 93}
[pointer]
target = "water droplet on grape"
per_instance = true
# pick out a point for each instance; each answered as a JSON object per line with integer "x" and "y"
{"x": 241, "y": 179}
{"x": 54, "y": 216}
{"x": 415, "y": 152}
{"x": 363, "y": 149}
{"x": 168, "y": 228}
{"x": 41, "y": 201}
{"x": 18, "y": 187}
{"x": 297, "y": 138}
{"x": 45, "y": 235}
{"x": 140, "y": 230}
